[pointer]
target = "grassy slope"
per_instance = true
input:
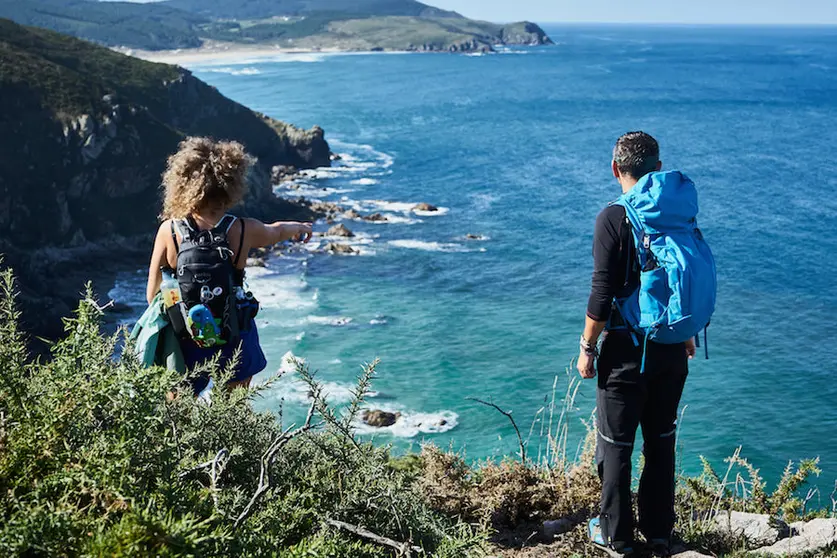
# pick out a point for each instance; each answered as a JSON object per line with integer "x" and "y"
{"x": 149, "y": 26}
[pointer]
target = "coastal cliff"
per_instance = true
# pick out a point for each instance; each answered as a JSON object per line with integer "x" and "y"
{"x": 84, "y": 135}
{"x": 364, "y": 25}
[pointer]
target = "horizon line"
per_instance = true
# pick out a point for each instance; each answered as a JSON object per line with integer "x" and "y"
{"x": 677, "y": 23}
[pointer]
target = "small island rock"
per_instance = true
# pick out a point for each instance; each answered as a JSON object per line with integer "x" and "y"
{"x": 340, "y": 230}
{"x": 337, "y": 248}
{"x": 425, "y": 207}
{"x": 380, "y": 419}
{"x": 375, "y": 217}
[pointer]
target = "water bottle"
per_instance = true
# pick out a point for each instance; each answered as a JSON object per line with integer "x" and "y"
{"x": 170, "y": 289}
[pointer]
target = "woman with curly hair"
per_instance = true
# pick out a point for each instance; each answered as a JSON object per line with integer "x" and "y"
{"x": 200, "y": 253}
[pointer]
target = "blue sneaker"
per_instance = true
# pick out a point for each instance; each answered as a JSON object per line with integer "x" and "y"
{"x": 594, "y": 533}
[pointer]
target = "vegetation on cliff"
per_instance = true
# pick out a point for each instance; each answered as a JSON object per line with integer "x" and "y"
{"x": 101, "y": 457}
{"x": 364, "y": 25}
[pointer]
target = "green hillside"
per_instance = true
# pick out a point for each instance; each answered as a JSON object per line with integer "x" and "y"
{"x": 314, "y": 24}
{"x": 146, "y": 26}
{"x": 260, "y": 9}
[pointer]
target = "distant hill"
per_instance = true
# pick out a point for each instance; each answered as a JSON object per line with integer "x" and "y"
{"x": 260, "y": 9}
{"x": 147, "y": 26}
{"x": 311, "y": 24}
{"x": 84, "y": 136}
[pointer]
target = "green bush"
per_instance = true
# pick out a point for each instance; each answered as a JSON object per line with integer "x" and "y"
{"x": 102, "y": 457}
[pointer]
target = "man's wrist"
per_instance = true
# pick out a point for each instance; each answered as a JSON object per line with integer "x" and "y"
{"x": 588, "y": 347}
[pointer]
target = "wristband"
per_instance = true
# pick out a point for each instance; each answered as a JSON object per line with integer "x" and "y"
{"x": 589, "y": 348}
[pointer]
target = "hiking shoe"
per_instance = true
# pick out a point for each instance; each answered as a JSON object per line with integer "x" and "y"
{"x": 616, "y": 550}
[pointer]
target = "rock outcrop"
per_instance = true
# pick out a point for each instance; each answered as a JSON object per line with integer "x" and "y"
{"x": 342, "y": 249}
{"x": 759, "y": 530}
{"x": 340, "y": 230}
{"x": 379, "y": 419}
{"x": 84, "y": 136}
{"x": 808, "y": 539}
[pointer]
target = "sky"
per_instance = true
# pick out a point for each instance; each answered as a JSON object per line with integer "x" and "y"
{"x": 649, "y": 11}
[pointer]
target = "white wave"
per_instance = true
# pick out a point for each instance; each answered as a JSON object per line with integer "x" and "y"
{"x": 335, "y": 361}
{"x": 384, "y": 160}
{"x": 235, "y": 71}
{"x": 360, "y": 246}
{"x": 292, "y": 389}
{"x": 429, "y": 246}
{"x": 205, "y": 63}
{"x": 336, "y": 321}
{"x": 286, "y": 292}
{"x": 364, "y": 182}
{"x": 359, "y": 239}
{"x": 378, "y": 321}
{"x": 392, "y": 218}
{"x": 412, "y": 423}
{"x": 438, "y": 213}
{"x": 406, "y": 208}
{"x": 309, "y": 191}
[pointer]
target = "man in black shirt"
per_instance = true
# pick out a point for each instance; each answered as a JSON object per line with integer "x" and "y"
{"x": 627, "y": 396}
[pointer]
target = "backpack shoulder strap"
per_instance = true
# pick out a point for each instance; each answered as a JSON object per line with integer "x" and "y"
{"x": 225, "y": 224}
{"x": 183, "y": 227}
{"x": 174, "y": 236}
{"x": 240, "y": 246}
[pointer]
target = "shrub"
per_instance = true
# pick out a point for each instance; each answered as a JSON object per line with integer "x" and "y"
{"x": 100, "y": 456}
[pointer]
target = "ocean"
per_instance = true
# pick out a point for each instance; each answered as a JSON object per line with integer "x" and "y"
{"x": 515, "y": 148}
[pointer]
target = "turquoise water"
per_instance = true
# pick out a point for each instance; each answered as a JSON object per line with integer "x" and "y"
{"x": 516, "y": 147}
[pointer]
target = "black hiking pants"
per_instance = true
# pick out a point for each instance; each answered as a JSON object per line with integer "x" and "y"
{"x": 625, "y": 400}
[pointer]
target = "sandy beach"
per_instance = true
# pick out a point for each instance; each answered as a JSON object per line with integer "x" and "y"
{"x": 223, "y": 53}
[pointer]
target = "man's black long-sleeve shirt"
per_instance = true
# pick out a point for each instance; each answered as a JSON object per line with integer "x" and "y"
{"x": 615, "y": 268}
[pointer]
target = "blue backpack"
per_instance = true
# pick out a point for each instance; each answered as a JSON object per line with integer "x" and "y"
{"x": 676, "y": 296}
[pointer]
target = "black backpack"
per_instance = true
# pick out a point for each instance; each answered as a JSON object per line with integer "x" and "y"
{"x": 208, "y": 276}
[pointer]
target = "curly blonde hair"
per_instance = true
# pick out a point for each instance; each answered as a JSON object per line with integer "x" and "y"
{"x": 204, "y": 174}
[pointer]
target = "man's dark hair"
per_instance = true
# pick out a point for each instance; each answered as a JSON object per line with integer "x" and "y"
{"x": 636, "y": 154}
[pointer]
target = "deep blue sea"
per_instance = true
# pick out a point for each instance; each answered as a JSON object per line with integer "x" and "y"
{"x": 516, "y": 147}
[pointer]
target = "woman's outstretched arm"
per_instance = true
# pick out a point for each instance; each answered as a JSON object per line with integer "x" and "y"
{"x": 261, "y": 235}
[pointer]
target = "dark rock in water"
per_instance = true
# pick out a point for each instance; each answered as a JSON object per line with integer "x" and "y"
{"x": 282, "y": 173}
{"x": 337, "y": 248}
{"x": 375, "y": 217}
{"x": 425, "y": 207}
{"x": 328, "y": 209}
{"x": 380, "y": 419}
{"x": 471, "y": 236}
{"x": 443, "y": 422}
{"x": 352, "y": 214}
{"x": 340, "y": 230}
{"x": 336, "y": 157}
